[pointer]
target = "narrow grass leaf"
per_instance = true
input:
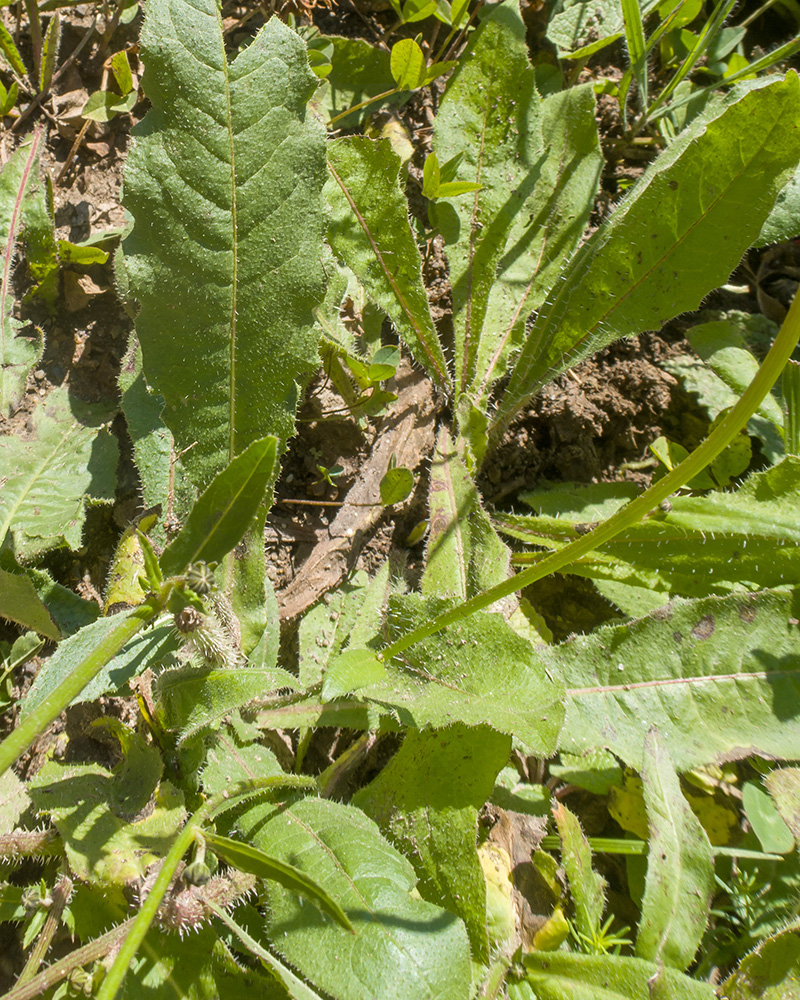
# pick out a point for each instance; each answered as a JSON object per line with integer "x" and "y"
{"x": 718, "y": 181}
{"x": 224, "y": 183}
{"x": 712, "y": 674}
{"x": 370, "y": 232}
{"x": 680, "y": 866}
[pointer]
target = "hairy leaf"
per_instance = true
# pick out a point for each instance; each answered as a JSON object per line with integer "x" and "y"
{"x": 702, "y": 544}
{"x": 145, "y": 649}
{"x": 558, "y": 975}
{"x": 426, "y": 803}
{"x": 222, "y": 514}
{"x": 717, "y": 182}
{"x": 163, "y": 478}
{"x": 18, "y": 354}
{"x": 20, "y": 603}
{"x": 784, "y": 787}
{"x": 191, "y": 700}
{"x": 712, "y": 674}
{"x": 586, "y": 886}
{"x": 107, "y": 847}
{"x": 770, "y": 972}
{"x": 248, "y": 858}
{"x": 369, "y": 231}
{"x": 476, "y": 672}
{"x": 67, "y": 455}
{"x": 403, "y": 948}
{"x": 491, "y": 114}
{"x": 224, "y": 183}
{"x": 680, "y": 866}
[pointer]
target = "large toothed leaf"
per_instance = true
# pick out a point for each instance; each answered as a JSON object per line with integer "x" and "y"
{"x": 370, "y": 232}
{"x": 713, "y": 675}
{"x": 490, "y": 114}
{"x": 224, "y": 183}
{"x": 714, "y": 186}
{"x": 403, "y": 948}
{"x": 680, "y": 866}
{"x": 67, "y": 455}
{"x": 18, "y": 354}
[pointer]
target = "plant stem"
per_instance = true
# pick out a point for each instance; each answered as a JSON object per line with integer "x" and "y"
{"x": 703, "y": 455}
{"x": 363, "y": 104}
{"x": 48, "y": 711}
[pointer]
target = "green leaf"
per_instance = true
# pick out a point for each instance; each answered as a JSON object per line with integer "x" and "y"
{"x": 464, "y": 555}
{"x": 408, "y": 65}
{"x": 80, "y": 254}
{"x": 771, "y": 972}
{"x": 360, "y": 71}
{"x": 431, "y": 176}
{"x": 680, "y": 866}
{"x": 144, "y": 650}
{"x": 490, "y": 112}
{"x": 11, "y": 52}
{"x": 765, "y": 820}
{"x": 50, "y": 46}
{"x": 103, "y": 105}
{"x": 403, "y": 949}
{"x": 225, "y": 254}
{"x": 68, "y": 456}
{"x": 121, "y": 69}
{"x": 396, "y": 486}
{"x": 370, "y": 232}
{"x": 558, "y": 975}
{"x": 634, "y": 275}
{"x": 586, "y": 886}
{"x": 781, "y": 223}
{"x": 164, "y": 482}
{"x": 710, "y": 674}
{"x": 222, "y": 514}
{"x": 248, "y": 858}
{"x": 20, "y": 603}
{"x": 18, "y": 354}
{"x": 783, "y": 785}
{"x": 191, "y": 700}
{"x": 106, "y": 846}
{"x": 8, "y": 98}
{"x": 436, "y": 829}
{"x": 702, "y": 544}
{"x": 479, "y": 672}
{"x": 351, "y": 671}
{"x": 41, "y": 250}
